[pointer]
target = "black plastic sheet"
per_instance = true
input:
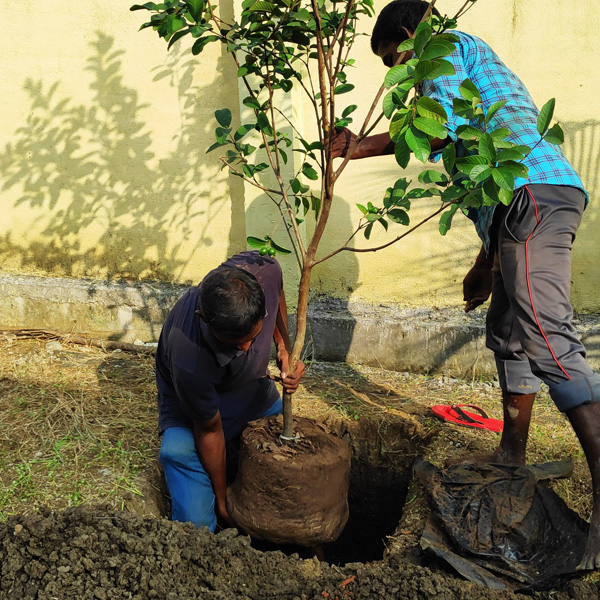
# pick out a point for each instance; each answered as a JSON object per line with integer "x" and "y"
{"x": 502, "y": 526}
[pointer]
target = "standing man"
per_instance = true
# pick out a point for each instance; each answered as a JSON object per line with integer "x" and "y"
{"x": 212, "y": 378}
{"x": 525, "y": 257}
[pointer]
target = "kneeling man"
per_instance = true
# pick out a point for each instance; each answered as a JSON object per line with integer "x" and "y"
{"x": 212, "y": 378}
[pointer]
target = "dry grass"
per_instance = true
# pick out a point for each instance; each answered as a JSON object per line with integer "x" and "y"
{"x": 76, "y": 425}
{"x": 79, "y": 424}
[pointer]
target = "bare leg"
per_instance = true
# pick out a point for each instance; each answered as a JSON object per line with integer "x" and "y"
{"x": 513, "y": 443}
{"x": 585, "y": 420}
{"x": 517, "y": 417}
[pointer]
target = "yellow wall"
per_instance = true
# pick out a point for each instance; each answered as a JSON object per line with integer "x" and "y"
{"x": 103, "y": 171}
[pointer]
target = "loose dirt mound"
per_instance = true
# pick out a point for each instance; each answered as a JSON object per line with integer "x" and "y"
{"x": 88, "y": 553}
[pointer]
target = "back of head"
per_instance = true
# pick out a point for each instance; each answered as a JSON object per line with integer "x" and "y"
{"x": 395, "y": 16}
{"x": 231, "y": 301}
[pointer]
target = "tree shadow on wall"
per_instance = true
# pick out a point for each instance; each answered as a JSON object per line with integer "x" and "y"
{"x": 88, "y": 172}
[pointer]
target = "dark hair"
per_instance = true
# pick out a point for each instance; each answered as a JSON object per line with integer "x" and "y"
{"x": 395, "y": 16}
{"x": 232, "y": 302}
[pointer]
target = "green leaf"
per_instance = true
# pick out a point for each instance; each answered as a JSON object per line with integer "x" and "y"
{"x": 262, "y": 6}
{"x": 371, "y": 216}
{"x": 263, "y": 123}
{"x": 368, "y": 230}
{"x": 279, "y": 248}
{"x": 362, "y": 209}
{"x": 432, "y": 69}
{"x": 255, "y": 242}
{"x": 200, "y": 43}
{"x": 343, "y": 88}
{"x": 525, "y": 150}
{"x": 397, "y": 215}
{"x": 223, "y": 117}
{"x": 493, "y": 109}
{"x": 243, "y": 130}
{"x": 349, "y": 110}
{"x": 147, "y": 6}
{"x": 174, "y": 25}
{"x": 509, "y": 154}
{"x": 437, "y": 48}
{"x": 462, "y": 108}
{"x": 431, "y": 127}
{"x": 428, "y": 107}
{"x": 453, "y": 193}
{"x": 489, "y": 192}
{"x": 545, "y": 116}
{"x": 446, "y": 219}
{"x": 395, "y": 196}
{"x": 251, "y": 102}
{"x": 215, "y": 146}
{"x": 432, "y": 176}
{"x": 517, "y": 169}
{"x": 449, "y": 157}
{"x": 467, "y": 132}
{"x": 402, "y": 152}
{"x": 406, "y": 45}
{"x": 423, "y": 34}
{"x": 480, "y": 173}
{"x": 466, "y": 163}
{"x": 500, "y": 134}
{"x": 419, "y": 144}
{"x": 398, "y": 123}
{"x": 176, "y": 37}
{"x": 468, "y": 90}
{"x": 221, "y": 134}
{"x": 388, "y": 105}
{"x": 309, "y": 172}
{"x": 555, "y": 135}
{"x": 505, "y": 196}
{"x": 195, "y": 8}
{"x": 395, "y": 75}
{"x": 504, "y": 178}
{"x": 486, "y": 147}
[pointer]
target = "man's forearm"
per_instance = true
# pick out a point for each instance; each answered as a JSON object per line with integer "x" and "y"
{"x": 381, "y": 144}
{"x": 210, "y": 444}
{"x": 281, "y": 334}
{"x": 374, "y": 145}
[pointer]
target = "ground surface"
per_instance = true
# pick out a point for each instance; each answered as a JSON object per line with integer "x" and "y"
{"x": 81, "y": 496}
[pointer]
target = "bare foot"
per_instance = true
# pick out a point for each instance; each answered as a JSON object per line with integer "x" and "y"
{"x": 499, "y": 456}
{"x": 591, "y": 556}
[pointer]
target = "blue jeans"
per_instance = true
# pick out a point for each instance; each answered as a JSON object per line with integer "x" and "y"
{"x": 192, "y": 496}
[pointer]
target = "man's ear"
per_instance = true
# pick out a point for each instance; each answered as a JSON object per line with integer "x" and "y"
{"x": 408, "y": 32}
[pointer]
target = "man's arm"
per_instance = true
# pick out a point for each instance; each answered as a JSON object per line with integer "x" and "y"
{"x": 379, "y": 144}
{"x": 477, "y": 285}
{"x": 281, "y": 338}
{"x": 210, "y": 444}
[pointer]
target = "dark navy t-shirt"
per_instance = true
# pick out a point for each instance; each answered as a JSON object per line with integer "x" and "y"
{"x": 197, "y": 376}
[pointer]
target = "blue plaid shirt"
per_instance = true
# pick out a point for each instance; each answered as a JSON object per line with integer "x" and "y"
{"x": 475, "y": 60}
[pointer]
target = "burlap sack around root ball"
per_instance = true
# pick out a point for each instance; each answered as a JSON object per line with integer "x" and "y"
{"x": 291, "y": 493}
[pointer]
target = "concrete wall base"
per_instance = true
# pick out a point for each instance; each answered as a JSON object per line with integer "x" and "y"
{"x": 421, "y": 340}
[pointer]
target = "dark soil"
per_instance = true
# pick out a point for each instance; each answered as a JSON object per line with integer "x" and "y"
{"x": 88, "y": 553}
{"x": 75, "y": 420}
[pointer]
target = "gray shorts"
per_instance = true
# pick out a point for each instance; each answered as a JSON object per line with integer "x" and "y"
{"x": 529, "y": 320}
